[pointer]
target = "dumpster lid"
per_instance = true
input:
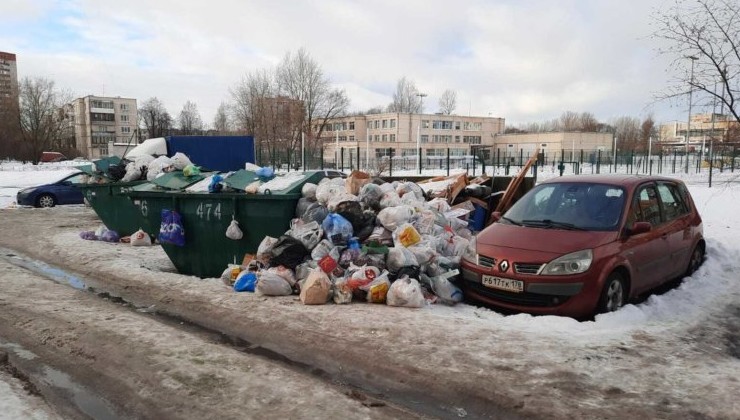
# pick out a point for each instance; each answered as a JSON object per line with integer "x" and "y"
{"x": 290, "y": 183}
{"x": 176, "y": 180}
{"x": 240, "y": 179}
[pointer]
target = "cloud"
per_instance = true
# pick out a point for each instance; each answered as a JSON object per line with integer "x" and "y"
{"x": 521, "y": 60}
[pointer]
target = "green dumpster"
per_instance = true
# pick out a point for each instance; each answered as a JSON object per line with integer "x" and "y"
{"x": 112, "y": 205}
{"x": 205, "y": 217}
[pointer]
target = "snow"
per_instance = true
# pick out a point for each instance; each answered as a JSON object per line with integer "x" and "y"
{"x": 17, "y": 403}
{"x": 659, "y": 322}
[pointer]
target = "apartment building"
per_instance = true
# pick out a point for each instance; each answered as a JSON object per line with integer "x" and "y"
{"x": 99, "y": 120}
{"x": 704, "y": 127}
{"x": 397, "y": 134}
{"x": 8, "y": 76}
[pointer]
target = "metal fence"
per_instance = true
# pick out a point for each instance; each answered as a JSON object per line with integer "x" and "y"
{"x": 717, "y": 157}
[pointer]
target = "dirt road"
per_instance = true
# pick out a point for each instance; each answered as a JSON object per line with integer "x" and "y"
{"x": 435, "y": 362}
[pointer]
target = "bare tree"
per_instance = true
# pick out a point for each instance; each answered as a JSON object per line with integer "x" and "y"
{"x": 221, "y": 123}
{"x": 301, "y": 78}
{"x": 587, "y": 122}
{"x": 448, "y": 102}
{"x": 406, "y": 98}
{"x": 648, "y": 130}
{"x": 569, "y": 121}
{"x": 374, "y": 110}
{"x": 705, "y": 33}
{"x": 628, "y": 132}
{"x": 154, "y": 118}
{"x": 189, "y": 119}
{"x": 41, "y": 117}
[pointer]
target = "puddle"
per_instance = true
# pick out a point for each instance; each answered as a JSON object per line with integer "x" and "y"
{"x": 53, "y": 273}
{"x": 81, "y": 397}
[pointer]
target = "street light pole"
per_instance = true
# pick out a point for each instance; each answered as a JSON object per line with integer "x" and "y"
{"x": 688, "y": 122}
{"x": 418, "y": 132}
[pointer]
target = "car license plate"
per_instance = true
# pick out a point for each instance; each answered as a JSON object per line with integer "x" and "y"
{"x": 503, "y": 284}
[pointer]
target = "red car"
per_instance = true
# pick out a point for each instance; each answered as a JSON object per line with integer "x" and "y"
{"x": 580, "y": 245}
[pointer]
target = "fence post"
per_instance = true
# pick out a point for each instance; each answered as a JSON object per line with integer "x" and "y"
{"x": 711, "y": 163}
{"x": 448, "y": 161}
{"x": 342, "y": 157}
{"x": 419, "y": 158}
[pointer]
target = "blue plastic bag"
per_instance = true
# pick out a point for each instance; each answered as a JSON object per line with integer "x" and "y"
{"x": 171, "y": 231}
{"x": 265, "y": 173}
{"x": 215, "y": 185}
{"x": 246, "y": 282}
{"x": 110, "y": 236}
{"x": 338, "y": 230}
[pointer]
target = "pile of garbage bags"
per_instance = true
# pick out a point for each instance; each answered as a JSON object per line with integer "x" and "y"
{"x": 145, "y": 167}
{"x": 361, "y": 239}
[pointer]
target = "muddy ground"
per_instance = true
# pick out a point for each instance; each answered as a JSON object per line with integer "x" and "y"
{"x": 152, "y": 343}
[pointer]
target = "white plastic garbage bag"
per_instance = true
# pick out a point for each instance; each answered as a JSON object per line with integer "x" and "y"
{"x": 233, "y": 231}
{"x": 140, "y": 238}
{"x": 271, "y": 284}
{"x": 180, "y": 161}
{"x": 406, "y": 292}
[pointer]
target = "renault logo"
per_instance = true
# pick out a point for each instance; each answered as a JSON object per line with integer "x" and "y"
{"x": 503, "y": 266}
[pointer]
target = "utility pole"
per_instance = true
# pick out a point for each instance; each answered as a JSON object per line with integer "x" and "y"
{"x": 688, "y": 121}
{"x": 418, "y": 132}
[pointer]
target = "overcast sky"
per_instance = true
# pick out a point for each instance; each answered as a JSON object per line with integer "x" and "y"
{"x": 523, "y": 60}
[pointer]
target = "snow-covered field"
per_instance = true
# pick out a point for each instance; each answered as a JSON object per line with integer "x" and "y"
{"x": 673, "y": 314}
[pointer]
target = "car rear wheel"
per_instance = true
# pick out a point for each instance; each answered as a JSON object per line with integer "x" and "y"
{"x": 697, "y": 258}
{"x": 614, "y": 294}
{"x": 46, "y": 200}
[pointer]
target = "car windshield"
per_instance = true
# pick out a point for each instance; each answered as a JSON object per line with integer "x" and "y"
{"x": 569, "y": 206}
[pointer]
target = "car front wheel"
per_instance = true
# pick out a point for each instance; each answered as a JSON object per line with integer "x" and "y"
{"x": 614, "y": 294}
{"x": 46, "y": 200}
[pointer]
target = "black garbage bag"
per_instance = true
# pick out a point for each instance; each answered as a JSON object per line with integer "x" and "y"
{"x": 413, "y": 271}
{"x": 288, "y": 252}
{"x": 116, "y": 172}
{"x": 315, "y": 213}
{"x": 363, "y": 221}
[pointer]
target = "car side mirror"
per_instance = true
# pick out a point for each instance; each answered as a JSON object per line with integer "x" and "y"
{"x": 496, "y": 216}
{"x": 640, "y": 227}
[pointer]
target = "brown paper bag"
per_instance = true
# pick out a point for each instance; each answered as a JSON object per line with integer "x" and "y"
{"x": 317, "y": 289}
{"x": 355, "y": 181}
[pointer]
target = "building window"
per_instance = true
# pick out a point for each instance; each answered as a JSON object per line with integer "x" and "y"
{"x": 351, "y": 138}
{"x": 472, "y": 139}
{"x": 385, "y": 138}
{"x": 425, "y": 124}
{"x": 436, "y": 152}
{"x": 95, "y": 103}
{"x": 385, "y": 123}
{"x": 457, "y": 139}
{"x": 393, "y": 123}
{"x": 425, "y": 138}
{"x": 457, "y": 125}
{"x": 441, "y": 125}
{"x": 123, "y": 107}
{"x": 380, "y": 153}
{"x": 125, "y": 130}
{"x": 351, "y": 125}
{"x": 377, "y": 138}
{"x": 408, "y": 152}
{"x": 472, "y": 126}
{"x": 377, "y": 124}
{"x": 124, "y": 118}
{"x": 393, "y": 138}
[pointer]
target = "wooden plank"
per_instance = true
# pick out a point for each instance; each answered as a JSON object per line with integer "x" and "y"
{"x": 511, "y": 190}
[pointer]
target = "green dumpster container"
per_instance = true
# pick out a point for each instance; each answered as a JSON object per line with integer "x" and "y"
{"x": 205, "y": 217}
{"x": 113, "y": 206}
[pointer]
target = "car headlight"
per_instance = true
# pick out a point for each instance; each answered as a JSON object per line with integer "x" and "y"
{"x": 27, "y": 191}
{"x": 573, "y": 263}
{"x": 471, "y": 254}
